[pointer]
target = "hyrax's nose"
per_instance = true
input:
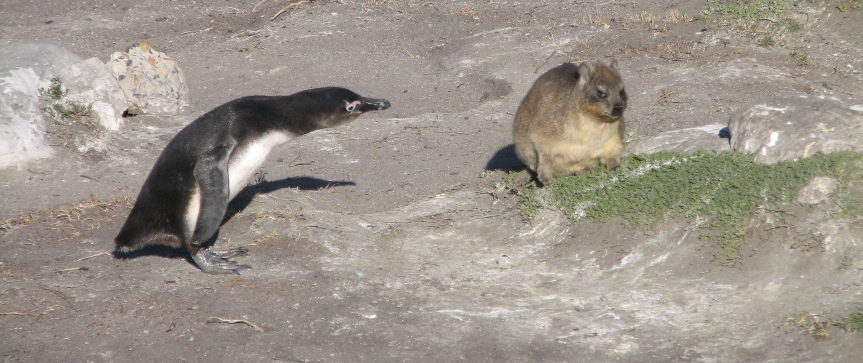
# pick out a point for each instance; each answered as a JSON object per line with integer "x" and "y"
{"x": 617, "y": 110}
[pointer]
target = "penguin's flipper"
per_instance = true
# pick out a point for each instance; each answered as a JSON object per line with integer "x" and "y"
{"x": 211, "y": 175}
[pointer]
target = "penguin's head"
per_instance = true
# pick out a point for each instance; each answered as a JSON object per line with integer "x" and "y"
{"x": 339, "y": 105}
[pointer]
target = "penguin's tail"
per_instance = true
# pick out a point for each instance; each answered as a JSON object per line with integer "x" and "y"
{"x": 125, "y": 244}
{"x": 137, "y": 233}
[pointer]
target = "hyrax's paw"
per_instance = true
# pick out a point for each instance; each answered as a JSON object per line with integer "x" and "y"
{"x": 523, "y": 178}
{"x": 612, "y": 164}
{"x": 545, "y": 178}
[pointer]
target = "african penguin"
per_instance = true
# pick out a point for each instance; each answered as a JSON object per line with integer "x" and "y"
{"x": 185, "y": 196}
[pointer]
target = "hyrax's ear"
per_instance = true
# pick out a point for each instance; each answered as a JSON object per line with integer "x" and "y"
{"x": 613, "y": 64}
{"x": 585, "y": 71}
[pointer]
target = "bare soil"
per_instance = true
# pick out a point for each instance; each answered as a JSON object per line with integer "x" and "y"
{"x": 388, "y": 239}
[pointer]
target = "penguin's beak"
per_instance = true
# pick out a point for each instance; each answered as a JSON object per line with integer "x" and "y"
{"x": 374, "y": 104}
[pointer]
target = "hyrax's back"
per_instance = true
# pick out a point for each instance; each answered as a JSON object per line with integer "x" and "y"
{"x": 571, "y": 120}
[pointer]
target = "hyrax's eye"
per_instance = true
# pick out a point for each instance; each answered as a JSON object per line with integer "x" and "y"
{"x": 353, "y": 106}
{"x": 601, "y": 94}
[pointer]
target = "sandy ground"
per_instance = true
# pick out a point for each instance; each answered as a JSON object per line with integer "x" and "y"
{"x": 387, "y": 239}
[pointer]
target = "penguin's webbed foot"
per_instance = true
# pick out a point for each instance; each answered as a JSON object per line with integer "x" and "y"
{"x": 217, "y": 262}
{"x": 233, "y": 252}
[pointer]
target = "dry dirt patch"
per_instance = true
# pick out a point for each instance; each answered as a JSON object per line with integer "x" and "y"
{"x": 380, "y": 241}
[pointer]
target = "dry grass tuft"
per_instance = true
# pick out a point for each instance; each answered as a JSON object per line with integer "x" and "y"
{"x": 465, "y": 11}
{"x": 674, "y": 16}
{"x": 292, "y": 5}
{"x": 598, "y": 20}
{"x": 216, "y": 319}
{"x": 86, "y": 216}
{"x": 230, "y": 11}
{"x": 645, "y": 17}
{"x": 272, "y": 236}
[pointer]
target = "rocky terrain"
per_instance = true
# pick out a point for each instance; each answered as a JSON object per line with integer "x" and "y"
{"x": 391, "y": 238}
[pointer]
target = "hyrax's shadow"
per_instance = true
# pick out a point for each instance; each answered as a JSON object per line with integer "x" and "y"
{"x": 237, "y": 205}
{"x": 505, "y": 159}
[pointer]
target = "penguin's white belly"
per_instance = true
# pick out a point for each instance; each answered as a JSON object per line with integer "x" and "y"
{"x": 192, "y": 211}
{"x": 247, "y": 160}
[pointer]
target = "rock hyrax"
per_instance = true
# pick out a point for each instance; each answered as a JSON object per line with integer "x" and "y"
{"x": 571, "y": 120}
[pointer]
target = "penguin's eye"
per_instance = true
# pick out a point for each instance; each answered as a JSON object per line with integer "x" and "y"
{"x": 601, "y": 94}
{"x": 353, "y": 106}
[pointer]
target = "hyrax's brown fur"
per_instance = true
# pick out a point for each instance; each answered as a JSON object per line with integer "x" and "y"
{"x": 571, "y": 120}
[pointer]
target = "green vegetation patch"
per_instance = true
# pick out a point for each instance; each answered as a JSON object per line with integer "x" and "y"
{"x": 852, "y": 322}
{"x": 749, "y": 9}
{"x": 815, "y": 324}
{"x": 847, "y": 5}
{"x": 62, "y": 110}
{"x": 768, "y": 22}
{"x": 716, "y": 190}
{"x": 768, "y": 9}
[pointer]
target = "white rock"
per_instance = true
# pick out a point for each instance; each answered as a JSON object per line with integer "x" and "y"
{"x": 684, "y": 140}
{"x": 24, "y": 68}
{"x": 790, "y": 128}
{"x": 91, "y": 83}
{"x": 153, "y": 82}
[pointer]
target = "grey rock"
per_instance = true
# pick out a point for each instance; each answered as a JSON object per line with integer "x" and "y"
{"x": 789, "y": 128}
{"x": 24, "y": 69}
{"x": 684, "y": 140}
{"x": 153, "y": 82}
{"x": 817, "y": 191}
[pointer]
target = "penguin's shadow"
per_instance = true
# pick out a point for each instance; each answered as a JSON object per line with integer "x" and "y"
{"x": 245, "y": 197}
{"x": 155, "y": 250}
{"x": 237, "y": 205}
